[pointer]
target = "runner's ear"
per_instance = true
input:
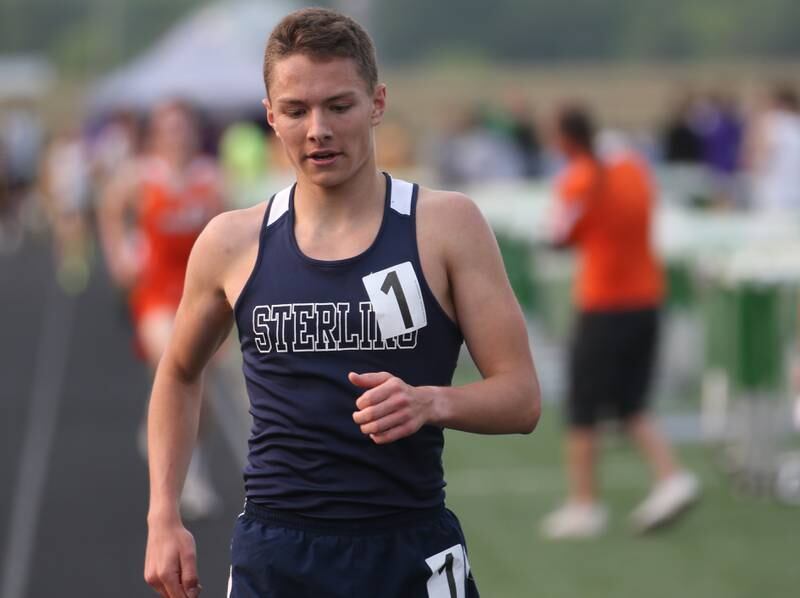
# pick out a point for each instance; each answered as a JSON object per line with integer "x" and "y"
{"x": 378, "y": 104}
{"x": 270, "y": 115}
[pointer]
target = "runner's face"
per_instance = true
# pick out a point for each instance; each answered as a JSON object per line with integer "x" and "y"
{"x": 324, "y": 114}
{"x": 174, "y": 133}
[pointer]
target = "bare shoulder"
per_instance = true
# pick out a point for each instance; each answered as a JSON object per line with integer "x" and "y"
{"x": 435, "y": 203}
{"x": 455, "y": 218}
{"x": 234, "y": 230}
{"x": 227, "y": 245}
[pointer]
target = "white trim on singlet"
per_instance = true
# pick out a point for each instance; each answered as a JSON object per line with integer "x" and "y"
{"x": 402, "y": 192}
{"x": 280, "y": 204}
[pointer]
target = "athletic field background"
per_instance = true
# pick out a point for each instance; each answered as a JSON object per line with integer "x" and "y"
{"x": 728, "y": 546}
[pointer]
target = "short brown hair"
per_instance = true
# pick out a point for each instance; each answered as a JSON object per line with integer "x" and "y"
{"x": 322, "y": 34}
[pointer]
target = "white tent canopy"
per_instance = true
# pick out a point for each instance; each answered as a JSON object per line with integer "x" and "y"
{"x": 212, "y": 58}
{"x": 24, "y": 76}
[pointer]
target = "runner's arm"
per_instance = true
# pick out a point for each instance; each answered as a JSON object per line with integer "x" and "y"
{"x": 202, "y": 322}
{"x": 507, "y": 399}
{"x": 490, "y": 318}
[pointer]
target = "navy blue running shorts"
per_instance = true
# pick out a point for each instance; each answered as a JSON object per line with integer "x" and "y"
{"x": 412, "y": 555}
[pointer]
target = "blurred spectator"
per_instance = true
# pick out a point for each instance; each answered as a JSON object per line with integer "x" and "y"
{"x": 721, "y": 131}
{"x": 515, "y": 120}
{"x": 4, "y": 181}
{"x": 10, "y": 231}
{"x": 114, "y": 145}
{"x": 65, "y": 189}
{"x": 684, "y": 171}
{"x": 22, "y": 135}
{"x": 774, "y": 152}
{"x": 21, "y": 138}
{"x": 242, "y": 151}
{"x": 604, "y": 209}
{"x": 169, "y": 194}
{"x": 243, "y": 154}
{"x": 680, "y": 141}
{"x": 473, "y": 152}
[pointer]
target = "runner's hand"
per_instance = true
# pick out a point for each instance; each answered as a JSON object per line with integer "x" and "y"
{"x": 171, "y": 562}
{"x": 390, "y": 409}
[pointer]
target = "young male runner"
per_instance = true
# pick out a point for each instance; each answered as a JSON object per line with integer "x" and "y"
{"x": 352, "y": 292}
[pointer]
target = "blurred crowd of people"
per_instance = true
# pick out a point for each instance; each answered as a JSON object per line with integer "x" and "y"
{"x": 58, "y": 178}
{"x": 707, "y": 151}
{"x": 486, "y": 143}
{"x": 748, "y": 161}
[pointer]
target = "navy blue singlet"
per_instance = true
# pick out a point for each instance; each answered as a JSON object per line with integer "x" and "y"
{"x": 303, "y": 325}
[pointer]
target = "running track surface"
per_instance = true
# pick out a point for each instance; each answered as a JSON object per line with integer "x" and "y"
{"x": 89, "y": 512}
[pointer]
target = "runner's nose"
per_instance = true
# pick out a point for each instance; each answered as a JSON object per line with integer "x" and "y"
{"x": 318, "y": 129}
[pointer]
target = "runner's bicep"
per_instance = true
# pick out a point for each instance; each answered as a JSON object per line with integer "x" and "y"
{"x": 204, "y": 317}
{"x": 488, "y": 312}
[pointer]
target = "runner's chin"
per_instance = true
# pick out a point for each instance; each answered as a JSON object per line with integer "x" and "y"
{"x": 328, "y": 173}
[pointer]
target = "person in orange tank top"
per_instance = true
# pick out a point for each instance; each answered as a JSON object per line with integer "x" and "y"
{"x": 603, "y": 210}
{"x": 172, "y": 213}
{"x": 169, "y": 195}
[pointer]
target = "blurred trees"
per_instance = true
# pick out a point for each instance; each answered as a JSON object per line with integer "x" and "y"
{"x": 627, "y": 30}
{"x": 91, "y": 35}
{"x": 86, "y": 36}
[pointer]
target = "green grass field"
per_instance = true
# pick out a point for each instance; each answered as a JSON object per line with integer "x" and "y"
{"x": 728, "y": 546}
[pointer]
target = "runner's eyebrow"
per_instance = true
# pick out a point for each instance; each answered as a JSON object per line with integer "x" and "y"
{"x": 347, "y": 95}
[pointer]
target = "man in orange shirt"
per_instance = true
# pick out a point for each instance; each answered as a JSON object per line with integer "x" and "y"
{"x": 604, "y": 210}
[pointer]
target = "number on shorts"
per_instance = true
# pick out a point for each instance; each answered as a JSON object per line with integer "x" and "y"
{"x": 449, "y": 571}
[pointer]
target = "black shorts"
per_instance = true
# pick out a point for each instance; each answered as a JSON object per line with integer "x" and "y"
{"x": 412, "y": 555}
{"x": 611, "y": 364}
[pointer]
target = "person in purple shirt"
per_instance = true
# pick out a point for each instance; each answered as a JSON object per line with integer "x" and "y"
{"x": 722, "y": 131}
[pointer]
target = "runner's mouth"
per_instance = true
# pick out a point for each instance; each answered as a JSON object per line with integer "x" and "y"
{"x": 322, "y": 156}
